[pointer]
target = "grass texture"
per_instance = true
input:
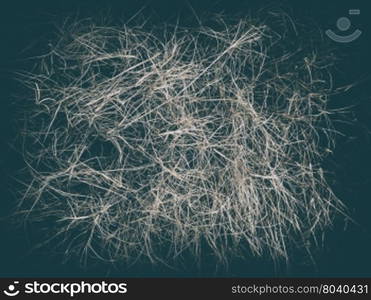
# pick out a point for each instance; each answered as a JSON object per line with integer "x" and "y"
{"x": 153, "y": 142}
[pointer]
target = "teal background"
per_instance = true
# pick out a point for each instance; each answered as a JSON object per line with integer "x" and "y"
{"x": 347, "y": 248}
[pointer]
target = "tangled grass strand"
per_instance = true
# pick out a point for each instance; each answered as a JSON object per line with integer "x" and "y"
{"x": 154, "y": 143}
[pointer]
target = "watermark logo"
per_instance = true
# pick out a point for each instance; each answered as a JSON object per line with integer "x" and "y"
{"x": 12, "y": 291}
{"x": 68, "y": 288}
{"x": 343, "y": 24}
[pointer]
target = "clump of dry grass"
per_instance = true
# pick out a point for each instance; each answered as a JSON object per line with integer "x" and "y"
{"x": 154, "y": 143}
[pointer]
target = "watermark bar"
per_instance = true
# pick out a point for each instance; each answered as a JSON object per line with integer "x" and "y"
{"x": 158, "y": 288}
{"x": 354, "y": 11}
